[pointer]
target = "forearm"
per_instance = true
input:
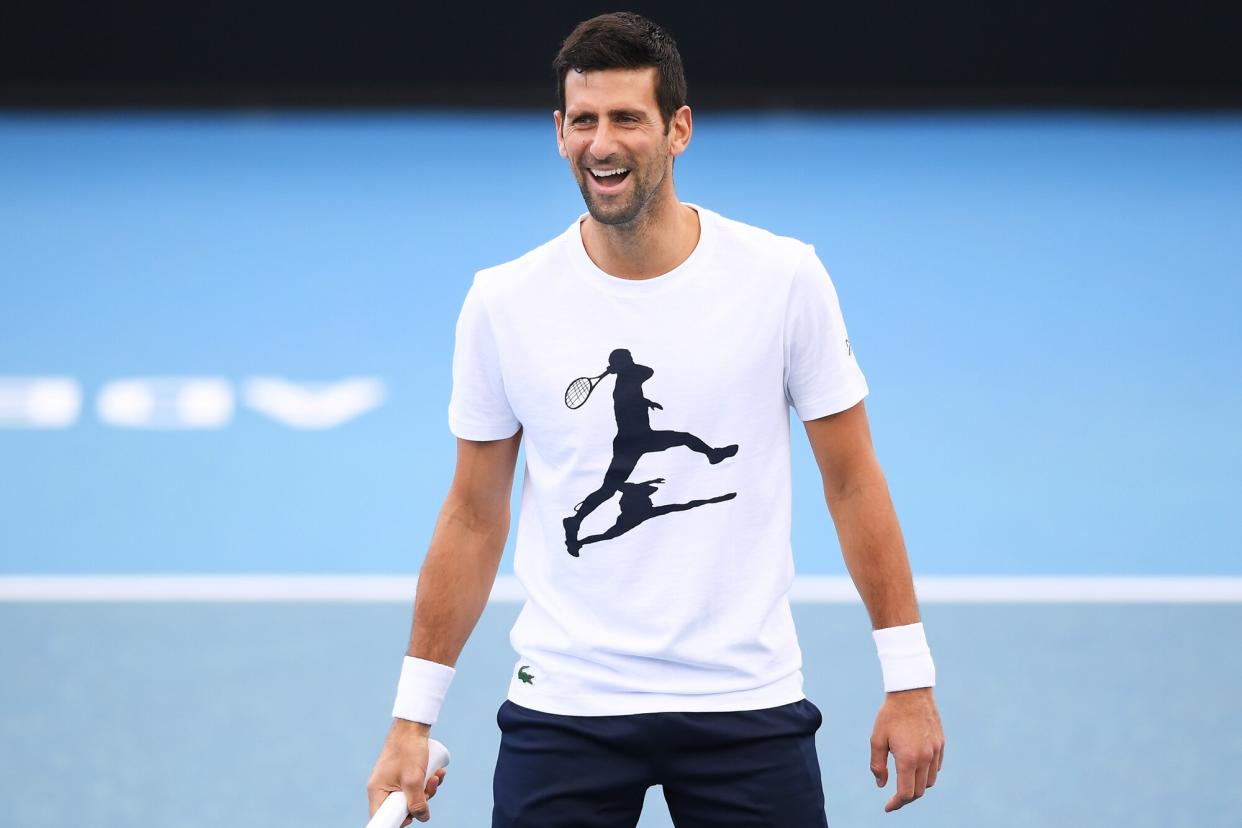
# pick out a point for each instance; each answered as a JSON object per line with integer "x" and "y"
{"x": 455, "y": 581}
{"x": 872, "y": 547}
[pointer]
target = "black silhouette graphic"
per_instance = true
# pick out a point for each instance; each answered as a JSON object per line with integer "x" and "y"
{"x": 636, "y": 507}
{"x": 635, "y": 438}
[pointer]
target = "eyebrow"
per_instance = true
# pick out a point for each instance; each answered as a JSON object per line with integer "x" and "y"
{"x": 612, "y": 113}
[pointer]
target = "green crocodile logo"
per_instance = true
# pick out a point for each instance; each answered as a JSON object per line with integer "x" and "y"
{"x": 524, "y": 676}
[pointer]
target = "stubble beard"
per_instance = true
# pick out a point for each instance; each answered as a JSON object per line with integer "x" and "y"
{"x": 619, "y": 214}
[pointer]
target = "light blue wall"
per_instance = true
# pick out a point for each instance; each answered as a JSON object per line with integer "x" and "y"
{"x": 1046, "y": 309}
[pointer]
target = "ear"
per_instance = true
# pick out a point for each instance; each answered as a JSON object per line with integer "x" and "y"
{"x": 559, "y": 120}
{"x": 680, "y": 130}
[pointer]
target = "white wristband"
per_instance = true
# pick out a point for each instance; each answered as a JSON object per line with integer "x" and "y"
{"x": 421, "y": 690}
{"x": 905, "y": 658}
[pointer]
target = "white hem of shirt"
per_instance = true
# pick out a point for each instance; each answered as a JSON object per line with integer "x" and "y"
{"x": 593, "y": 703}
{"x": 840, "y": 401}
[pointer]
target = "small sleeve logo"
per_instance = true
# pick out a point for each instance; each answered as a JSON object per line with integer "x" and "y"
{"x": 525, "y": 677}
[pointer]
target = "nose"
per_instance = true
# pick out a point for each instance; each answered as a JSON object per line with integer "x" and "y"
{"x": 603, "y": 141}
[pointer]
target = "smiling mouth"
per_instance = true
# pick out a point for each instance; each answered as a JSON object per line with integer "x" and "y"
{"x": 609, "y": 179}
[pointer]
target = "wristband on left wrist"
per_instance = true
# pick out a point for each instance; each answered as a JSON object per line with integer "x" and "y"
{"x": 905, "y": 658}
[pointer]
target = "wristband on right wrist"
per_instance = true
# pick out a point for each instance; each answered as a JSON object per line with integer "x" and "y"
{"x": 421, "y": 690}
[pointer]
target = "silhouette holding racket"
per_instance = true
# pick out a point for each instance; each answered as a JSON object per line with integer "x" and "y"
{"x": 635, "y": 438}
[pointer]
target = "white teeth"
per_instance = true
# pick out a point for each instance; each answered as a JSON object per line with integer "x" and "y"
{"x": 606, "y": 173}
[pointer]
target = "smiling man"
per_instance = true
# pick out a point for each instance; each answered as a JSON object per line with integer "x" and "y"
{"x": 664, "y": 652}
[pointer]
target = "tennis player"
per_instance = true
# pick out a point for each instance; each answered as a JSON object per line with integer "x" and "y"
{"x": 654, "y": 341}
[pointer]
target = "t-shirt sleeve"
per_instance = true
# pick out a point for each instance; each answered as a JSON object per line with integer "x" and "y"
{"x": 821, "y": 373}
{"x": 478, "y": 407}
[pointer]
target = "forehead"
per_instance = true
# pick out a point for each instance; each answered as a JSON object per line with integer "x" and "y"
{"x": 605, "y": 89}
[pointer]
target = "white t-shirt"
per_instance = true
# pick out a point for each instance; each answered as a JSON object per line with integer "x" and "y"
{"x": 674, "y": 471}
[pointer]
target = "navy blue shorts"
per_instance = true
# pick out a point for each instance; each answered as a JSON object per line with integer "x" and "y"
{"x": 736, "y": 769}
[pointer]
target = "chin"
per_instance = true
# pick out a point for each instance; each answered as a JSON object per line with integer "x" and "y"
{"x": 615, "y": 216}
{"x": 612, "y": 214}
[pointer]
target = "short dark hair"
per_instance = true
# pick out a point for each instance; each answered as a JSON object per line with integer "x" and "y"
{"x": 624, "y": 40}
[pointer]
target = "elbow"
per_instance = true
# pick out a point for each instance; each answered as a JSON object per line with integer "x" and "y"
{"x": 846, "y": 482}
{"x": 483, "y": 515}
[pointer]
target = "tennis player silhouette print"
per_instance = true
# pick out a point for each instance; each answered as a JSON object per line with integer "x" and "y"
{"x": 636, "y": 507}
{"x": 635, "y": 437}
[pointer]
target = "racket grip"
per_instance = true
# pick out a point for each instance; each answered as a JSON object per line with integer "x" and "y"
{"x": 392, "y": 812}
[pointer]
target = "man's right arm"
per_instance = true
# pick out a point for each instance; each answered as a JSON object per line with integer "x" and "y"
{"x": 454, "y": 583}
{"x": 460, "y": 567}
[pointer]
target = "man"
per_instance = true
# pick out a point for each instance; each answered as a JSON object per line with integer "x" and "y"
{"x": 663, "y": 652}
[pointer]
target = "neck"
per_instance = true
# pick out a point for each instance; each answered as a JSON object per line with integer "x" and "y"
{"x": 659, "y": 240}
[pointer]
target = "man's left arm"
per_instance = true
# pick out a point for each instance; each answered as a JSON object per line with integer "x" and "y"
{"x": 908, "y": 724}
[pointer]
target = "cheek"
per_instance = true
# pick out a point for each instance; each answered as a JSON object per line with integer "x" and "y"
{"x": 575, "y": 146}
{"x": 653, "y": 159}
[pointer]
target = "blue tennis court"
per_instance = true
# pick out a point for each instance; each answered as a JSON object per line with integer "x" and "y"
{"x": 1044, "y": 304}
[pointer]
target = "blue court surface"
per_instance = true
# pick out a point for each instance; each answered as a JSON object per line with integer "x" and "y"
{"x": 1045, "y": 306}
{"x": 256, "y": 715}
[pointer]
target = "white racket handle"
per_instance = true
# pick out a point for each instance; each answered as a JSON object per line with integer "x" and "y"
{"x": 393, "y": 812}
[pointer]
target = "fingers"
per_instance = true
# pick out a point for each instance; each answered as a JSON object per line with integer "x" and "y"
{"x": 920, "y": 777}
{"x": 879, "y": 761}
{"x": 400, "y": 772}
{"x": 416, "y": 805}
{"x": 934, "y": 769}
{"x": 434, "y": 783}
{"x": 416, "y": 801}
{"x": 908, "y": 728}
{"x": 915, "y": 775}
{"x": 905, "y": 783}
{"x": 424, "y": 814}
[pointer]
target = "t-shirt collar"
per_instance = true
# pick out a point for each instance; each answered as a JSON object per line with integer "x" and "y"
{"x": 679, "y": 275}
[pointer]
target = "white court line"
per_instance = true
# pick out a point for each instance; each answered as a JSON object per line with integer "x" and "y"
{"x": 813, "y": 589}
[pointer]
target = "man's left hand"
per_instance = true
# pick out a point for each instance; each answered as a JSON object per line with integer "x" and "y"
{"x": 908, "y": 726}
